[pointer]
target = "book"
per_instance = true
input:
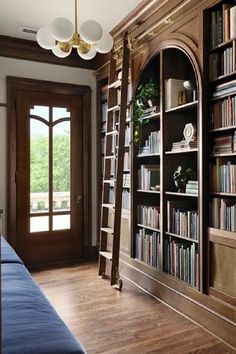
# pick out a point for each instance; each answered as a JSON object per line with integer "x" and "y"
{"x": 233, "y": 22}
{"x": 172, "y": 89}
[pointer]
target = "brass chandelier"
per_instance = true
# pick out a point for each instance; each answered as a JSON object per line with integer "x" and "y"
{"x": 61, "y": 37}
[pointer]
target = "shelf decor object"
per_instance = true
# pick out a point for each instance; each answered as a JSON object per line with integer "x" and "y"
{"x": 61, "y": 37}
{"x": 181, "y": 177}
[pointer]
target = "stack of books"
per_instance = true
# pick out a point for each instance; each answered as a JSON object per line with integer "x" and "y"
{"x": 225, "y": 88}
{"x": 184, "y": 145}
{"x": 149, "y": 111}
{"x": 192, "y": 187}
{"x": 224, "y": 144}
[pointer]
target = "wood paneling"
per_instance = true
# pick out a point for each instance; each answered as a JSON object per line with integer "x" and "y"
{"x": 30, "y": 50}
{"x": 131, "y": 321}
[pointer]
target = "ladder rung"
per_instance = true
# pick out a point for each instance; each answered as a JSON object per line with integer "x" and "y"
{"x": 115, "y": 84}
{"x": 110, "y": 157}
{"x": 106, "y": 254}
{"x": 109, "y": 181}
{"x": 114, "y": 108}
{"x": 113, "y": 132}
{"x": 109, "y": 206}
{"x": 108, "y": 230}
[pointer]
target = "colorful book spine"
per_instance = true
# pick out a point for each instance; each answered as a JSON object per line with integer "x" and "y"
{"x": 147, "y": 247}
{"x": 223, "y": 178}
{"x": 149, "y": 216}
{"x": 223, "y": 214}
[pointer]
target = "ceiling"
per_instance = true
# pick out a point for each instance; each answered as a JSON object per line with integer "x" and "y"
{"x": 31, "y": 13}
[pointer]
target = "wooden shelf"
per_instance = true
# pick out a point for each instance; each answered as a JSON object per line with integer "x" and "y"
{"x": 183, "y": 107}
{"x": 223, "y": 194}
{"x": 181, "y": 237}
{"x": 148, "y": 227}
{"x": 215, "y": 130}
{"x": 177, "y": 194}
{"x": 183, "y": 151}
{"x": 222, "y": 237}
{"x": 149, "y": 155}
{"x": 148, "y": 191}
{"x": 223, "y": 77}
{"x": 152, "y": 116}
{"x": 224, "y": 154}
{"x": 221, "y": 45}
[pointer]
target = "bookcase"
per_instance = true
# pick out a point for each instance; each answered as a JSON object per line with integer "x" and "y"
{"x": 222, "y": 150}
{"x": 181, "y": 244}
{"x": 165, "y": 218}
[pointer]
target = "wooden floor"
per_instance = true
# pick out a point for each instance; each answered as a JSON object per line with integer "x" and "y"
{"x": 131, "y": 321}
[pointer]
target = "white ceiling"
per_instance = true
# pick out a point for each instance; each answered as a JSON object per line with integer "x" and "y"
{"x": 32, "y": 13}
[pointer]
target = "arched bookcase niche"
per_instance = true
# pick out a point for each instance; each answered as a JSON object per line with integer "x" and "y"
{"x": 164, "y": 145}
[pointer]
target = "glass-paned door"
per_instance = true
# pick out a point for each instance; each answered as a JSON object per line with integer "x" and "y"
{"x": 50, "y": 176}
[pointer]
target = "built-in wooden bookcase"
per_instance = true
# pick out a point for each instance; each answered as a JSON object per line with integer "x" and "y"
{"x": 221, "y": 49}
{"x": 172, "y": 244}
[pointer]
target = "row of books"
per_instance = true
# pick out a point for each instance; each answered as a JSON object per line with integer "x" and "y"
{"x": 223, "y": 214}
{"x": 221, "y": 63}
{"x": 125, "y": 198}
{"x": 127, "y": 136}
{"x": 223, "y": 24}
{"x": 223, "y": 178}
{"x": 126, "y": 180}
{"x": 192, "y": 187}
{"x": 181, "y": 260}
{"x": 149, "y": 216}
{"x": 223, "y": 113}
{"x": 181, "y": 220}
{"x": 152, "y": 144}
{"x": 184, "y": 145}
{"x": 224, "y": 144}
{"x": 226, "y": 88}
{"x": 149, "y": 177}
{"x": 147, "y": 247}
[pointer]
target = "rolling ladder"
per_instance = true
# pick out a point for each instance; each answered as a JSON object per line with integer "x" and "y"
{"x": 113, "y": 167}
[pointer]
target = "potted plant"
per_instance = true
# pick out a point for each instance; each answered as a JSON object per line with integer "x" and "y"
{"x": 145, "y": 97}
{"x": 182, "y": 176}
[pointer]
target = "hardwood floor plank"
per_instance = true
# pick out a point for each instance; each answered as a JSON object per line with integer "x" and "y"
{"x": 107, "y": 321}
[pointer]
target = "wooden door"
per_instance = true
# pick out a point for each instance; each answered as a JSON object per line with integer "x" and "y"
{"x": 49, "y": 177}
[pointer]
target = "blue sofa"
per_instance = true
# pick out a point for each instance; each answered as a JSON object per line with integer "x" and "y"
{"x": 30, "y": 325}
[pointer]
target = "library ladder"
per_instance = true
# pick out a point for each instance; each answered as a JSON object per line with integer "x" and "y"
{"x": 114, "y": 159}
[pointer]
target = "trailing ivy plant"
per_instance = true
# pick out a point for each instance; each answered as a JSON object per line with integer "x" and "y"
{"x": 145, "y": 94}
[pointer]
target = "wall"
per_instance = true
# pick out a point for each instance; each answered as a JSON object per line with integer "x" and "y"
{"x": 41, "y": 71}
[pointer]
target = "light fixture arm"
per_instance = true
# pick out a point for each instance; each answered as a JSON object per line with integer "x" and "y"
{"x": 76, "y": 19}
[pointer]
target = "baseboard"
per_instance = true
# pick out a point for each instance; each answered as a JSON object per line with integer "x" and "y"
{"x": 195, "y": 307}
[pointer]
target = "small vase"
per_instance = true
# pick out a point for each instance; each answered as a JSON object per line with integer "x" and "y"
{"x": 181, "y": 185}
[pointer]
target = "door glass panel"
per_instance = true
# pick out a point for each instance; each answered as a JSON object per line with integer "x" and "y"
{"x": 40, "y": 111}
{"x": 61, "y": 166}
{"x": 60, "y": 222}
{"x": 39, "y": 166}
{"x": 39, "y": 223}
{"x": 59, "y": 112}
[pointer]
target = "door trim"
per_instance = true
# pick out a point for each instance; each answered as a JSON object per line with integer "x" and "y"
{"x": 15, "y": 85}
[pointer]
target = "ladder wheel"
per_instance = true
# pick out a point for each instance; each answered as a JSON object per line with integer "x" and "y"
{"x": 119, "y": 284}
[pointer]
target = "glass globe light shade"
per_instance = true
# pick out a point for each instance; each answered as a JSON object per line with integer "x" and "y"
{"x": 87, "y": 56}
{"x": 61, "y": 53}
{"x": 62, "y": 29}
{"x": 45, "y": 38}
{"x": 105, "y": 44}
{"x": 91, "y": 31}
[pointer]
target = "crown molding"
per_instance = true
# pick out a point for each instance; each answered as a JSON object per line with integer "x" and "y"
{"x": 29, "y": 50}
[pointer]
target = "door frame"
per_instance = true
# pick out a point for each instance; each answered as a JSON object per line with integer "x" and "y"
{"x": 18, "y": 84}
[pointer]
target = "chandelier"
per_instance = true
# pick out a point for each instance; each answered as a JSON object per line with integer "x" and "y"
{"x": 61, "y": 37}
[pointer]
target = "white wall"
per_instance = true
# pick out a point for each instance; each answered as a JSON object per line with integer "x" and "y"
{"x": 41, "y": 71}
